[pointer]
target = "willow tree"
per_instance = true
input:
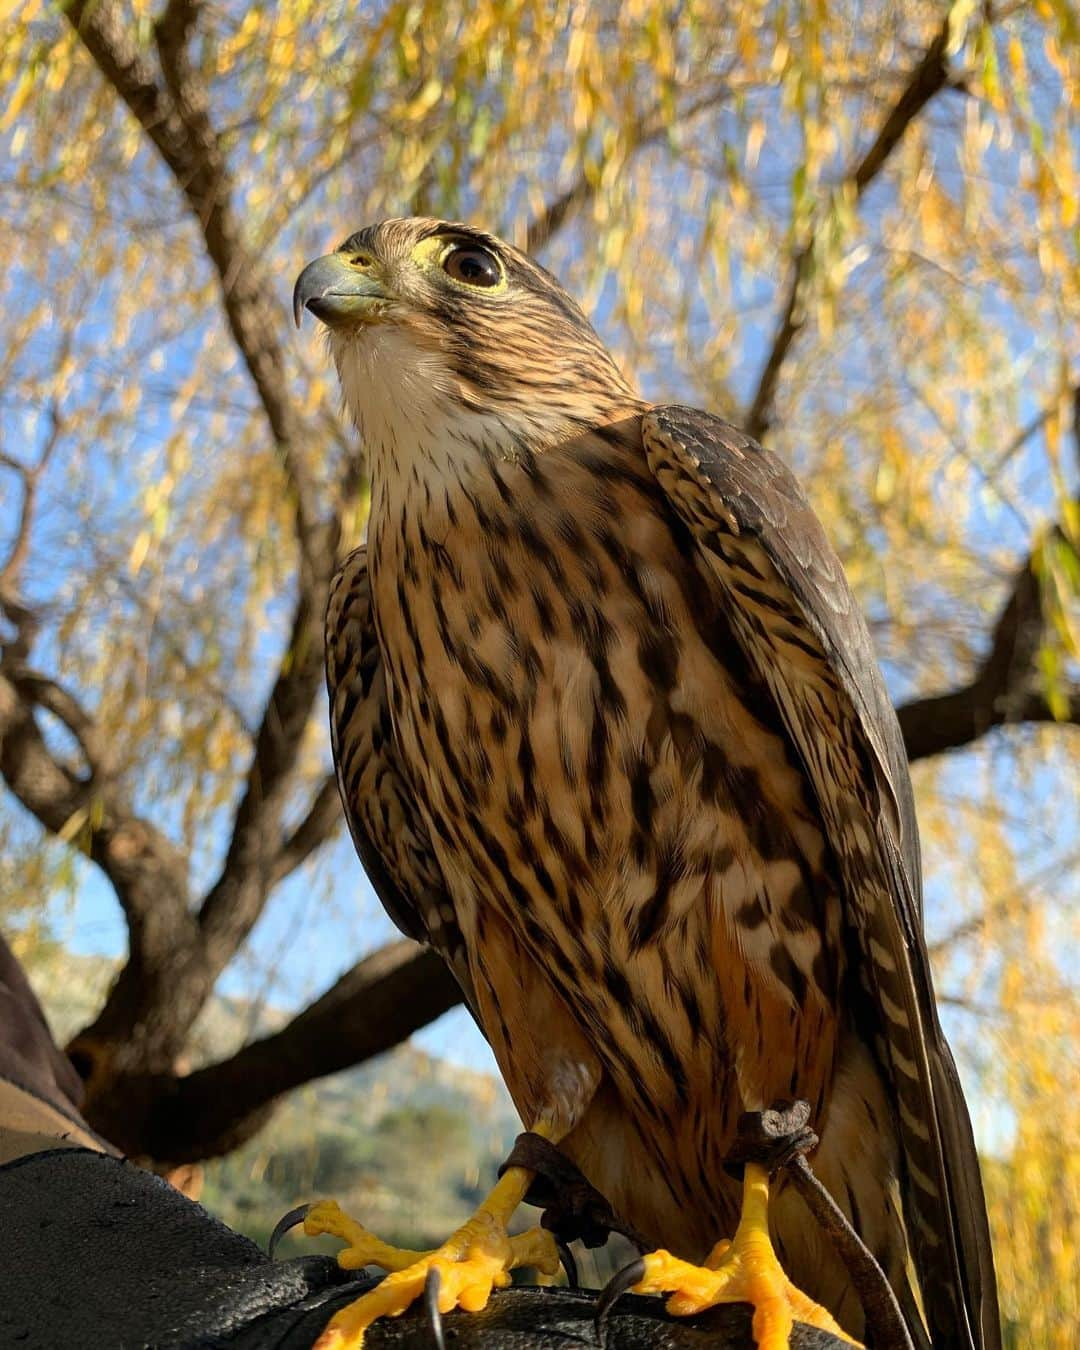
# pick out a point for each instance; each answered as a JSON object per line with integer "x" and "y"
{"x": 851, "y": 228}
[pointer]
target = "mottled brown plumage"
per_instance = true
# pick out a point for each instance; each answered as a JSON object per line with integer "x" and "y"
{"x": 611, "y": 736}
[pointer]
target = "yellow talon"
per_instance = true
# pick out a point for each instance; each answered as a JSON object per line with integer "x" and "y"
{"x": 475, "y": 1260}
{"x": 744, "y": 1270}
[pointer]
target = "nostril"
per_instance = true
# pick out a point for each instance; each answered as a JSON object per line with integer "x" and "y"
{"x": 361, "y": 260}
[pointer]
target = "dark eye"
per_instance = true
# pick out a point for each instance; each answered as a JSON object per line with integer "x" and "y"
{"x": 473, "y": 266}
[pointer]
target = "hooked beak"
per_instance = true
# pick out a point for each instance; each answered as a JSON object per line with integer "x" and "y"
{"x": 336, "y": 291}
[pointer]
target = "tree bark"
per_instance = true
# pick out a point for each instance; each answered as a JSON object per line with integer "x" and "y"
{"x": 380, "y": 1002}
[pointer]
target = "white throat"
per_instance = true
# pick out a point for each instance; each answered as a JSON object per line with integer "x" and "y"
{"x": 401, "y": 398}
{"x": 415, "y": 422}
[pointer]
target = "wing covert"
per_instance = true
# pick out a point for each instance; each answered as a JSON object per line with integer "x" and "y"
{"x": 794, "y": 614}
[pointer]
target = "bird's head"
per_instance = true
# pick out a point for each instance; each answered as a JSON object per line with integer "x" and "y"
{"x": 432, "y": 322}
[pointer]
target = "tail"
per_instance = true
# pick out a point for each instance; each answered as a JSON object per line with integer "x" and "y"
{"x": 966, "y": 1316}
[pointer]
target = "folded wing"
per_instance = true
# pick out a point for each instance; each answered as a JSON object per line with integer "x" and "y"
{"x": 386, "y": 827}
{"x": 795, "y": 616}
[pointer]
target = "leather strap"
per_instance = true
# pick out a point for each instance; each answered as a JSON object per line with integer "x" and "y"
{"x": 573, "y": 1208}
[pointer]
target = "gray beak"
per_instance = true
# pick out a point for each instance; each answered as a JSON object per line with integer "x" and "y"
{"x": 335, "y": 291}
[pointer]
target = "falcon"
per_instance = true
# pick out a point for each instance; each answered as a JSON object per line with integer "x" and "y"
{"x": 611, "y": 738}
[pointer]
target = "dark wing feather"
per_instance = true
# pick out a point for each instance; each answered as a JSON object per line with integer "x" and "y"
{"x": 795, "y": 615}
{"x": 386, "y": 827}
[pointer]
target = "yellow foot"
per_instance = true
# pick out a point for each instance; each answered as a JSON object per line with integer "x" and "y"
{"x": 477, "y": 1259}
{"x": 745, "y": 1270}
{"x": 362, "y": 1247}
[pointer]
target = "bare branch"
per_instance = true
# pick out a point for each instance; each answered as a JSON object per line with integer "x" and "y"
{"x": 39, "y": 690}
{"x": 1021, "y": 439}
{"x": 969, "y": 1005}
{"x": 542, "y": 228}
{"x": 322, "y": 819}
{"x": 173, "y": 31}
{"x": 654, "y": 127}
{"x": 949, "y": 721}
{"x": 1021, "y": 900}
{"x": 251, "y": 864}
{"x": 1001, "y": 691}
{"x": 148, "y": 873}
{"x": 11, "y": 568}
{"x": 376, "y": 1005}
{"x": 928, "y": 78}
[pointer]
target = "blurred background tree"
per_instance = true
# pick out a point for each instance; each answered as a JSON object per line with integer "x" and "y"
{"x": 851, "y": 228}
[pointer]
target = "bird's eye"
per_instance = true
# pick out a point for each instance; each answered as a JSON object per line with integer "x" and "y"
{"x": 473, "y": 266}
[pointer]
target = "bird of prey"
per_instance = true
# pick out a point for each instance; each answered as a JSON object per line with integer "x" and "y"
{"x": 611, "y": 738}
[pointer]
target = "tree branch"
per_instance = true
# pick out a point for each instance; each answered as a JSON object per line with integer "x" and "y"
{"x": 1001, "y": 691}
{"x": 13, "y": 564}
{"x": 376, "y": 1005}
{"x": 177, "y": 122}
{"x": 322, "y": 819}
{"x": 654, "y": 127}
{"x": 176, "y": 119}
{"x": 252, "y": 861}
{"x": 147, "y": 872}
{"x": 39, "y": 690}
{"x": 928, "y": 78}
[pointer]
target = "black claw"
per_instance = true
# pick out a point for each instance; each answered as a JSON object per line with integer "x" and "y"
{"x": 287, "y": 1221}
{"x": 431, "y": 1305}
{"x": 566, "y": 1256}
{"x": 619, "y": 1283}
